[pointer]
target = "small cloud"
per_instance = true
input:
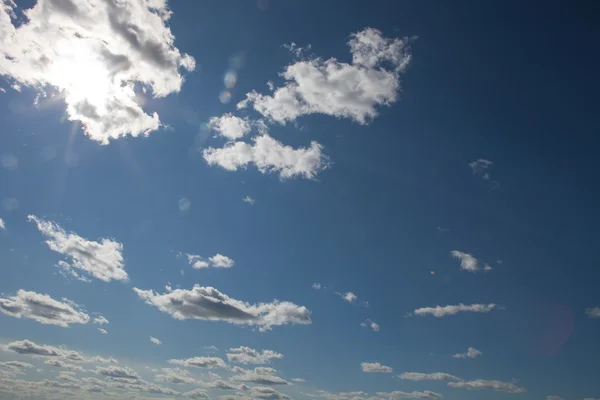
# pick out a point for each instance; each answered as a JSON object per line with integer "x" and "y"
{"x": 375, "y": 368}
{"x": 348, "y": 296}
{"x": 155, "y": 341}
{"x": 216, "y": 261}
{"x": 249, "y": 200}
{"x": 370, "y": 324}
{"x": 481, "y": 168}
{"x": 316, "y": 286}
{"x": 593, "y": 312}
{"x": 497, "y": 386}
{"x": 298, "y": 380}
{"x": 100, "y": 320}
{"x": 487, "y": 268}
{"x": 468, "y": 262}
{"x": 443, "y": 230}
{"x": 2, "y": 226}
{"x": 439, "y": 311}
{"x": 102, "y": 331}
{"x": 211, "y": 348}
{"x": 472, "y": 352}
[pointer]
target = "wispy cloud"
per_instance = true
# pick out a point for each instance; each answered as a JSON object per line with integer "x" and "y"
{"x": 427, "y": 394}
{"x": 200, "y": 362}
{"x": 375, "y": 367}
{"x": 593, "y": 312}
{"x": 434, "y": 376}
{"x": 472, "y": 352}
{"x": 249, "y": 200}
{"x": 498, "y": 386}
{"x": 439, "y": 311}
{"x": 370, "y": 324}
{"x": 246, "y": 355}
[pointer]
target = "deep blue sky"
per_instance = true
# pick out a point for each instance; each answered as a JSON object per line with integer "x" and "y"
{"x": 513, "y": 82}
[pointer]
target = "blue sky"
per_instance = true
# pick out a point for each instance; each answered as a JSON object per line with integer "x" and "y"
{"x": 384, "y": 200}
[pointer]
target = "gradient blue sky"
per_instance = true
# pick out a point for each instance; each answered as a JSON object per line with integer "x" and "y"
{"x": 513, "y": 83}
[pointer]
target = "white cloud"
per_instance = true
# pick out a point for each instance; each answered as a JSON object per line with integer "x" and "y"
{"x": 439, "y": 311}
{"x": 593, "y": 312}
{"x": 434, "y": 376}
{"x": 316, "y": 286}
{"x": 224, "y": 385}
{"x": 197, "y": 394}
{"x": 481, "y": 168}
{"x": 468, "y": 262}
{"x": 298, "y": 380}
{"x": 93, "y": 52}
{"x": 100, "y": 320}
{"x": 249, "y": 200}
{"x": 375, "y": 367}
{"x": 102, "y": 331}
{"x": 2, "y": 226}
{"x": 230, "y": 126}
{"x": 27, "y": 347}
{"x": 62, "y": 364}
{"x": 336, "y": 88}
{"x": 498, "y": 386}
{"x": 207, "y": 303}
{"x": 116, "y": 372}
{"x": 42, "y": 308}
{"x": 221, "y": 261}
{"x": 472, "y": 352}
{"x": 370, "y": 324}
{"x": 246, "y": 355}
{"x": 211, "y": 348}
{"x": 259, "y": 375}
{"x": 103, "y": 260}
{"x": 200, "y": 362}
{"x": 269, "y": 155}
{"x": 348, "y": 296}
{"x": 260, "y": 392}
{"x": 216, "y": 261}
{"x": 155, "y": 341}
{"x": 427, "y": 394}
{"x": 177, "y": 376}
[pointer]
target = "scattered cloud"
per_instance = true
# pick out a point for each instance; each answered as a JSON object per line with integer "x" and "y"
{"x": 427, "y": 394}
{"x": 298, "y": 380}
{"x": 230, "y": 126}
{"x": 375, "y": 367}
{"x": 439, "y": 311}
{"x": 117, "y": 372}
{"x": 269, "y": 155}
{"x": 155, "y": 341}
{"x": 434, "y": 376}
{"x": 197, "y": 394}
{"x": 370, "y": 324}
{"x": 100, "y": 320}
{"x": 211, "y": 348}
{"x": 498, "y": 386}
{"x": 316, "y": 286}
{"x": 43, "y": 309}
{"x": 224, "y": 385}
{"x": 102, "y": 260}
{"x": 246, "y": 355}
{"x": 249, "y": 200}
{"x": 2, "y": 225}
{"x": 177, "y": 376}
{"x": 62, "y": 364}
{"x": 593, "y": 312}
{"x": 481, "y": 168}
{"x": 102, "y": 331}
{"x": 260, "y": 376}
{"x": 472, "y": 352}
{"x": 200, "y": 362}
{"x": 94, "y": 54}
{"x": 260, "y": 392}
{"x": 469, "y": 263}
{"x": 216, "y": 261}
{"x": 344, "y": 90}
{"x": 207, "y": 303}
{"x": 348, "y": 296}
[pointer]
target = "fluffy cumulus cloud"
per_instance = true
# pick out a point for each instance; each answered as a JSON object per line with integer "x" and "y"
{"x": 224, "y": 385}
{"x": 269, "y": 155}
{"x": 498, "y": 386}
{"x": 95, "y": 54}
{"x": 426, "y": 394}
{"x": 434, "y": 376}
{"x": 197, "y": 394}
{"x": 260, "y": 392}
{"x": 260, "y": 376}
{"x": 246, "y": 355}
{"x": 61, "y": 364}
{"x": 42, "y": 308}
{"x": 472, "y": 352}
{"x": 27, "y": 347}
{"x": 102, "y": 260}
{"x": 216, "y": 261}
{"x": 469, "y": 263}
{"x": 200, "y": 362}
{"x": 230, "y": 126}
{"x": 593, "y": 312}
{"x": 370, "y": 324}
{"x": 344, "y": 90}
{"x": 375, "y": 367}
{"x": 207, "y": 303}
{"x": 116, "y": 372}
{"x": 348, "y": 296}
{"x": 439, "y": 311}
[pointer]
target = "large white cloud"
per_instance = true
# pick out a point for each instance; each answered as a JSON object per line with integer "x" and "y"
{"x": 375, "y": 367}
{"x": 102, "y": 260}
{"x": 498, "y": 386}
{"x": 344, "y": 90}
{"x": 472, "y": 352}
{"x": 269, "y": 155}
{"x": 42, "y": 308}
{"x": 433, "y": 376}
{"x": 439, "y": 311}
{"x": 246, "y": 355}
{"x": 207, "y": 303}
{"x": 94, "y": 52}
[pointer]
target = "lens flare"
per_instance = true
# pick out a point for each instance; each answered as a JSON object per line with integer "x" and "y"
{"x": 225, "y": 97}
{"x": 230, "y": 79}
